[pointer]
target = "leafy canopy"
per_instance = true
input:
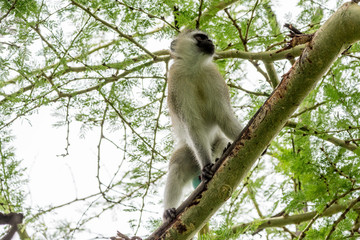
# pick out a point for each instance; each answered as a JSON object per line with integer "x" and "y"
{"x": 100, "y": 68}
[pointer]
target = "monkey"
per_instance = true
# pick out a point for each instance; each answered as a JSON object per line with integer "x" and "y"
{"x": 202, "y": 118}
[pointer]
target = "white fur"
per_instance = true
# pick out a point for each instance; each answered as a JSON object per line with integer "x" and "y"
{"x": 201, "y": 115}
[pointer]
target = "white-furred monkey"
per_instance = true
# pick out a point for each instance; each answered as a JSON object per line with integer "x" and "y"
{"x": 201, "y": 115}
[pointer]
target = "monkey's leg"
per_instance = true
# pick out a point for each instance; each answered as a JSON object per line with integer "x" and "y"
{"x": 230, "y": 125}
{"x": 219, "y": 145}
{"x": 182, "y": 168}
{"x": 202, "y": 148}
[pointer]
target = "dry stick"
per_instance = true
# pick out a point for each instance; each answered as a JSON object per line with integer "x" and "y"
{"x": 329, "y": 41}
{"x": 118, "y": 112}
{"x": 67, "y": 121}
{"x": 102, "y": 123}
{"x": 238, "y": 28}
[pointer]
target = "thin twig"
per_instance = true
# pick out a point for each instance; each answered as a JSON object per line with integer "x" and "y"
{"x": 115, "y": 28}
{"x": 325, "y": 136}
{"x": 248, "y": 91}
{"x": 8, "y": 12}
{"x": 319, "y": 214}
{"x": 148, "y": 14}
{"x": 339, "y": 171}
{"x": 67, "y": 120}
{"x": 250, "y": 21}
{"x": 341, "y": 217}
{"x": 129, "y": 125}
{"x": 199, "y": 14}
{"x": 308, "y": 109}
{"x": 244, "y": 41}
{"x": 152, "y": 153}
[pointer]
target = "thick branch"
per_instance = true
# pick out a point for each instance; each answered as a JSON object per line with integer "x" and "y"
{"x": 328, "y": 42}
{"x": 294, "y": 219}
{"x": 326, "y": 137}
{"x": 268, "y": 56}
{"x": 12, "y": 219}
{"x": 274, "y": 79}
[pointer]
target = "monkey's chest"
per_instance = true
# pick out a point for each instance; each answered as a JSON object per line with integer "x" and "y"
{"x": 197, "y": 101}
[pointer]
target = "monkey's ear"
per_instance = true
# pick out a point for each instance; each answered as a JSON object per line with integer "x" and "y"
{"x": 172, "y": 45}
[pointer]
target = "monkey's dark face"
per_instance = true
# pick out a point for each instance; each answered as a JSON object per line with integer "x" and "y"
{"x": 204, "y": 43}
{"x": 192, "y": 45}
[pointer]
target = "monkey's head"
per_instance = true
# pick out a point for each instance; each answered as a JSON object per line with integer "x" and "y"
{"x": 191, "y": 43}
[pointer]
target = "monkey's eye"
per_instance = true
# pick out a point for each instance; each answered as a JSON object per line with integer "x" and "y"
{"x": 200, "y": 37}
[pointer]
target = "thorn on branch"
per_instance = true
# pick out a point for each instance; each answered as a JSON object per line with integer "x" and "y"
{"x": 297, "y": 38}
{"x": 292, "y": 29}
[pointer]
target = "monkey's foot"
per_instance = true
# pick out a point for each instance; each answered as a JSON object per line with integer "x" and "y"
{"x": 227, "y": 147}
{"x": 207, "y": 172}
{"x": 169, "y": 214}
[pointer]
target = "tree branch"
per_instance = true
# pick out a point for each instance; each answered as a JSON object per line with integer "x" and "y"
{"x": 308, "y": 109}
{"x": 268, "y": 56}
{"x": 271, "y": 72}
{"x": 148, "y": 14}
{"x": 115, "y": 28}
{"x": 8, "y": 12}
{"x": 294, "y": 219}
{"x": 12, "y": 219}
{"x": 86, "y": 54}
{"x": 212, "y": 11}
{"x": 326, "y": 137}
{"x": 247, "y": 91}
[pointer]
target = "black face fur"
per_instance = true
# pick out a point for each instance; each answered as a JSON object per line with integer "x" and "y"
{"x": 204, "y": 43}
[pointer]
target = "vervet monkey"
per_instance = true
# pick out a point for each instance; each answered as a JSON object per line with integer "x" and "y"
{"x": 201, "y": 115}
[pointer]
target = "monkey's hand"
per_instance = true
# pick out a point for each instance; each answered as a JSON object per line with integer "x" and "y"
{"x": 227, "y": 147}
{"x": 207, "y": 172}
{"x": 169, "y": 214}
